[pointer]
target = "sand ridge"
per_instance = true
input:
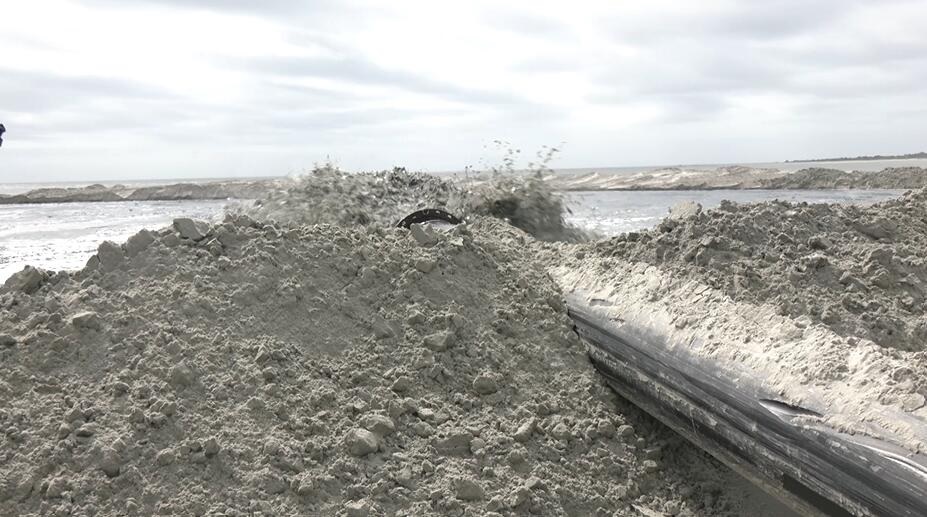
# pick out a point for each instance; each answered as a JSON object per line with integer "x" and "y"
{"x": 861, "y": 271}
{"x": 823, "y": 305}
{"x": 306, "y": 357}
{"x": 259, "y": 368}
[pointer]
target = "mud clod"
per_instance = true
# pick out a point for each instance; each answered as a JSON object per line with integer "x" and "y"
{"x": 361, "y": 442}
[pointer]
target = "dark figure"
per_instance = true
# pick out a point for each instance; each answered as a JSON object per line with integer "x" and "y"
{"x": 2, "y": 130}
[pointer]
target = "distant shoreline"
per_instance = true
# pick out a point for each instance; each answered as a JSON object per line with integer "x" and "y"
{"x": 736, "y": 177}
{"x": 872, "y": 158}
{"x": 172, "y": 192}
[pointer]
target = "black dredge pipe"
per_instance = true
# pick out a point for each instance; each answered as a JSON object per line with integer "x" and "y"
{"x": 812, "y": 468}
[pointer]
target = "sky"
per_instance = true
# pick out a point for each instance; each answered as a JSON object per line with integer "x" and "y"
{"x": 138, "y": 89}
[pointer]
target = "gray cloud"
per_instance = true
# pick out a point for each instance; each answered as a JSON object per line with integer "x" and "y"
{"x": 350, "y": 69}
{"x": 743, "y": 22}
{"x": 691, "y": 65}
{"x": 545, "y": 64}
{"x": 526, "y": 22}
{"x": 696, "y": 86}
{"x": 261, "y": 7}
{"x": 365, "y": 72}
{"x": 709, "y": 72}
{"x": 776, "y": 20}
{"x": 37, "y": 92}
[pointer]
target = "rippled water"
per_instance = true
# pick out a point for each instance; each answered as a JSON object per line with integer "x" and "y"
{"x": 64, "y": 235}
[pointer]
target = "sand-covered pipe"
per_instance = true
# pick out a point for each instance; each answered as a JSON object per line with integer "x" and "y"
{"x": 809, "y": 313}
{"x": 731, "y": 412}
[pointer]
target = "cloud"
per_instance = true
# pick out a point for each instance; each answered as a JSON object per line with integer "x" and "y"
{"x": 262, "y": 7}
{"x": 218, "y": 87}
{"x": 775, "y": 20}
{"x": 364, "y": 72}
{"x": 39, "y": 91}
{"x": 695, "y": 64}
{"x": 508, "y": 19}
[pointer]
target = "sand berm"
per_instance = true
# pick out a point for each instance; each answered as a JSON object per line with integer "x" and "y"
{"x": 326, "y": 364}
{"x": 823, "y": 306}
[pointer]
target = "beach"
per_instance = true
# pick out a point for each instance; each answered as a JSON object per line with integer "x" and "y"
{"x": 301, "y": 354}
{"x": 73, "y": 218}
{"x": 470, "y": 259}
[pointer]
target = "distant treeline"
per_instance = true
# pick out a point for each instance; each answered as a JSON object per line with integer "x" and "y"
{"x": 874, "y": 157}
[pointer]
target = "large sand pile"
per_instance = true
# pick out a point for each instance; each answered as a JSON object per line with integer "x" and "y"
{"x": 862, "y": 271}
{"x": 263, "y": 369}
{"x": 823, "y": 305}
{"x": 309, "y": 358}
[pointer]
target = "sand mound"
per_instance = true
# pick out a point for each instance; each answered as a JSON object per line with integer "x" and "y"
{"x": 820, "y": 178}
{"x": 259, "y": 369}
{"x": 861, "y": 271}
{"x": 821, "y": 305}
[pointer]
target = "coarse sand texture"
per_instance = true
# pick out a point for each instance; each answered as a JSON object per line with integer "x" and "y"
{"x": 248, "y": 368}
{"x": 822, "y": 305}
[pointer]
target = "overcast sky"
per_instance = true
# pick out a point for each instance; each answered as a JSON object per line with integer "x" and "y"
{"x": 130, "y": 89}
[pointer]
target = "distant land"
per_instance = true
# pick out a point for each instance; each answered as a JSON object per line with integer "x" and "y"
{"x": 728, "y": 177}
{"x": 862, "y": 158}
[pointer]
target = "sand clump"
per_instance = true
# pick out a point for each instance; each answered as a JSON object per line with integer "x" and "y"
{"x": 256, "y": 368}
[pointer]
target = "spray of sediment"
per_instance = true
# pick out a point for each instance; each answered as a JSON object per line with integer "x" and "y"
{"x": 328, "y": 195}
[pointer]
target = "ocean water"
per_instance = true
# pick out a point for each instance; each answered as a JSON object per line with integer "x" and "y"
{"x": 64, "y": 235}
